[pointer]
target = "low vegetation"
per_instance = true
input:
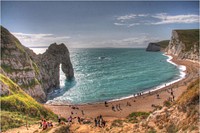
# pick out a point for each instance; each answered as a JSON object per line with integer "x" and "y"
{"x": 135, "y": 117}
{"x": 189, "y": 38}
{"x": 19, "y": 104}
{"x": 117, "y": 123}
{"x": 163, "y": 44}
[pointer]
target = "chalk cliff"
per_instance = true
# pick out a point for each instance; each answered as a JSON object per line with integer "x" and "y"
{"x": 184, "y": 44}
{"x": 35, "y": 74}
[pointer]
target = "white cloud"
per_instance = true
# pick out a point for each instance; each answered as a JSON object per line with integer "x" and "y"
{"x": 155, "y": 19}
{"x": 39, "y": 39}
{"x": 126, "y": 17}
{"x": 169, "y": 19}
{"x": 119, "y": 24}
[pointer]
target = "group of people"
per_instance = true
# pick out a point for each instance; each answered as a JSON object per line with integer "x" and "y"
{"x": 117, "y": 107}
{"x": 45, "y": 124}
{"x": 99, "y": 121}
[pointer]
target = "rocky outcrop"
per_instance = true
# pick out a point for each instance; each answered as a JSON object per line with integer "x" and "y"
{"x": 35, "y": 74}
{"x": 184, "y": 44}
{"x": 157, "y": 46}
{"x": 154, "y": 47}
{"x": 49, "y": 66}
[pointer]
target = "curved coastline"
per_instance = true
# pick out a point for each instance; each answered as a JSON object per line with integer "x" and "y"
{"x": 145, "y": 103}
{"x": 182, "y": 75}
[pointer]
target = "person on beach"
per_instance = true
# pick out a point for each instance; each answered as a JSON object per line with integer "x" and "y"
{"x": 82, "y": 112}
{"x": 79, "y": 120}
{"x": 106, "y": 104}
{"x": 117, "y": 107}
{"x": 72, "y": 112}
{"x": 98, "y": 121}
{"x": 172, "y": 93}
{"x": 173, "y": 98}
{"x": 41, "y": 123}
{"x": 113, "y": 108}
{"x": 158, "y": 96}
{"x": 95, "y": 122}
{"x": 59, "y": 119}
{"x": 128, "y": 104}
{"x": 44, "y": 125}
{"x": 69, "y": 119}
{"x": 103, "y": 123}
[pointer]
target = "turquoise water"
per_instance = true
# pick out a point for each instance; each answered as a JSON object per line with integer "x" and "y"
{"x": 107, "y": 74}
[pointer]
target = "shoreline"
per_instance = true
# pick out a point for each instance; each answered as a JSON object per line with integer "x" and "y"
{"x": 138, "y": 103}
{"x": 152, "y": 89}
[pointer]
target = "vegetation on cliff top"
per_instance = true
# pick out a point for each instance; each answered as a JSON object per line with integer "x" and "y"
{"x": 189, "y": 38}
{"x": 18, "y": 104}
{"x": 163, "y": 44}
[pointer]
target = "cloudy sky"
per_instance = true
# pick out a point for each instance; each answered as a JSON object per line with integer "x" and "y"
{"x": 97, "y": 24}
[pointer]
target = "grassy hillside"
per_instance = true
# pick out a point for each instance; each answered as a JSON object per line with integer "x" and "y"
{"x": 17, "y": 107}
{"x": 189, "y": 38}
{"x": 163, "y": 44}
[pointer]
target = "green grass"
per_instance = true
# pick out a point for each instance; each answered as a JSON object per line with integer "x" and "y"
{"x": 22, "y": 103}
{"x": 37, "y": 70}
{"x": 135, "y": 117}
{"x": 117, "y": 123}
{"x": 163, "y": 44}
{"x": 189, "y": 38}
{"x": 14, "y": 120}
{"x": 139, "y": 114}
{"x": 167, "y": 103}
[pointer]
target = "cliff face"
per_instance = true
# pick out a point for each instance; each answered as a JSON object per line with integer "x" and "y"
{"x": 157, "y": 46}
{"x": 184, "y": 44}
{"x": 35, "y": 74}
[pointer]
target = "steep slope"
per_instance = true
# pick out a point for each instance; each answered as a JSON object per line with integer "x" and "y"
{"x": 180, "y": 116}
{"x": 19, "y": 67}
{"x": 17, "y": 107}
{"x": 184, "y": 44}
{"x": 35, "y": 74}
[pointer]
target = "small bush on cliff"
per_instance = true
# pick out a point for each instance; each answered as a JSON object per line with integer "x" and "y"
{"x": 167, "y": 103}
{"x": 137, "y": 116}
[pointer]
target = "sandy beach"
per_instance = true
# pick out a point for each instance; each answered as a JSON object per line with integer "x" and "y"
{"x": 146, "y": 102}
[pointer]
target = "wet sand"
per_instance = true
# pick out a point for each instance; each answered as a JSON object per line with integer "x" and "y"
{"x": 139, "y": 103}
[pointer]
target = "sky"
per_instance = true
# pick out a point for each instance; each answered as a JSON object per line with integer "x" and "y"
{"x": 85, "y": 24}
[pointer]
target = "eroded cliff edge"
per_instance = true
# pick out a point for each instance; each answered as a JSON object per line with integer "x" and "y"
{"x": 35, "y": 74}
{"x": 184, "y": 44}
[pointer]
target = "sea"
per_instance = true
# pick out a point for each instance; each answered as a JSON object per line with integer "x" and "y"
{"x": 108, "y": 74}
